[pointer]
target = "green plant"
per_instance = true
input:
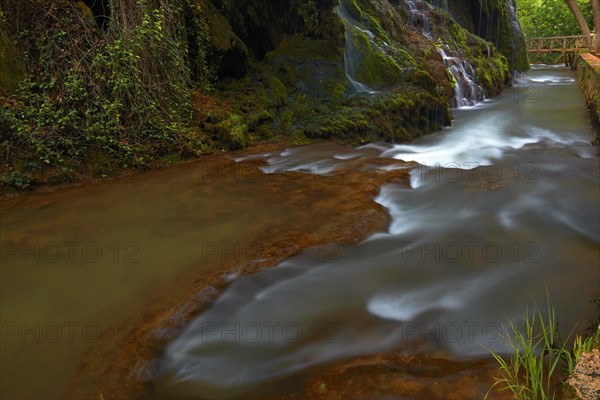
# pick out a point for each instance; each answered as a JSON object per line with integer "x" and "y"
{"x": 123, "y": 91}
{"x": 537, "y": 352}
{"x": 18, "y": 180}
{"x": 580, "y": 346}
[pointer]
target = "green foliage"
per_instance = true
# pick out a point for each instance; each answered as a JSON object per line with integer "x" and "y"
{"x": 124, "y": 92}
{"x": 18, "y": 180}
{"x": 537, "y": 353}
{"x": 375, "y": 68}
{"x": 541, "y": 18}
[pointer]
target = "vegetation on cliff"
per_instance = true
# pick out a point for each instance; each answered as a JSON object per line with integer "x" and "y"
{"x": 137, "y": 84}
{"x": 495, "y": 21}
{"x": 102, "y": 99}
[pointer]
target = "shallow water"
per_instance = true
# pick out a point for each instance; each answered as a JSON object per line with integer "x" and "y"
{"x": 503, "y": 209}
{"x": 76, "y": 261}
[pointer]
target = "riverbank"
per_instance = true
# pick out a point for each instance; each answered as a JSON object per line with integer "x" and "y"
{"x": 588, "y": 76}
{"x": 43, "y": 183}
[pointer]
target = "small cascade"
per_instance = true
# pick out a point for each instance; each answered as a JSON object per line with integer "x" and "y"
{"x": 418, "y": 16}
{"x": 466, "y": 91}
{"x": 351, "y": 60}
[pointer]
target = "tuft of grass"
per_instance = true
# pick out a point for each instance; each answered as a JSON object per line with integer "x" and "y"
{"x": 537, "y": 353}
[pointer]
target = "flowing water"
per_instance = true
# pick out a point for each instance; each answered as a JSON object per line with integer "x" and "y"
{"x": 503, "y": 208}
{"x": 467, "y": 92}
{"x": 418, "y": 16}
{"x": 351, "y": 59}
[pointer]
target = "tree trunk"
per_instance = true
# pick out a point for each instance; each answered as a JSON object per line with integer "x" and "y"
{"x": 596, "y": 12}
{"x": 583, "y": 26}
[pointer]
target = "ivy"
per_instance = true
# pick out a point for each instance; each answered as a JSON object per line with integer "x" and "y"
{"x": 124, "y": 92}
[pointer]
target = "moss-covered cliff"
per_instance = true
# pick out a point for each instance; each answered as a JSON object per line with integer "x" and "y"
{"x": 350, "y": 70}
{"x": 494, "y": 21}
{"x": 305, "y": 57}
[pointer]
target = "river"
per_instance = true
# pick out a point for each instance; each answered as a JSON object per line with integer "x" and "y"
{"x": 502, "y": 209}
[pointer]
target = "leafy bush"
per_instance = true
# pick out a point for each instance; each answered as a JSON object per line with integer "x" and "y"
{"x": 124, "y": 91}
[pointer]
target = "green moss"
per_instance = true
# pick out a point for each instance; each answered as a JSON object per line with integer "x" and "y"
{"x": 221, "y": 34}
{"x": 375, "y": 26}
{"x": 336, "y": 88}
{"x": 258, "y": 118}
{"x": 277, "y": 92}
{"x": 300, "y": 47}
{"x": 423, "y": 78}
{"x": 232, "y": 131}
{"x": 285, "y": 122}
{"x": 495, "y": 15}
{"x": 373, "y": 68}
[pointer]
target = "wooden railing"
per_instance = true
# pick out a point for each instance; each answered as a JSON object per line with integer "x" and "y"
{"x": 561, "y": 44}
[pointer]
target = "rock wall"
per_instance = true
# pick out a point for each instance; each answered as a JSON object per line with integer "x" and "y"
{"x": 494, "y": 21}
{"x": 588, "y": 77}
{"x": 290, "y": 60}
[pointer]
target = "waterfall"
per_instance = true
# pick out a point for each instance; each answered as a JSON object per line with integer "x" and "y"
{"x": 466, "y": 91}
{"x": 512, "y": 16}
{"x": 418, "y": 16}
{"x": 515, "y": 29}
{"x": 351, "y": 60}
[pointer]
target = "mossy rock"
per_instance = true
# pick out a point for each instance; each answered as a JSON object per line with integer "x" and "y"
{"x": 371, "y": 66}
{"x": 490, "y": 19}
{"x": 227, "y": 52}
{"x": 301, "y": 47}
{"x": 277, "y": 92}
{"x": 307, "y": 65}
{"x": 233, "y": 132}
